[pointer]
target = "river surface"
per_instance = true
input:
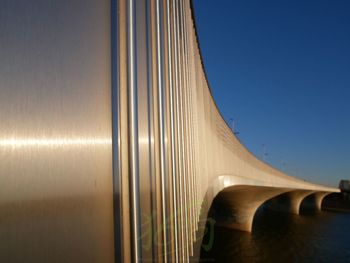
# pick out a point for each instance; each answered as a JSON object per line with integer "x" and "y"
{"x": 277, "y": 237}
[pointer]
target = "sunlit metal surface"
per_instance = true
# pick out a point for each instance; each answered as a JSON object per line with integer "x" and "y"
{"x": 111, "y": 146}
{"x": 55, "y": 142}
{"x": 56, "y": 193}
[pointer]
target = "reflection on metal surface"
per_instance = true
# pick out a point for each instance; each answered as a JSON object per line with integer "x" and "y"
{"x": 56, "y": 192}
{"x": 56, "y": 142}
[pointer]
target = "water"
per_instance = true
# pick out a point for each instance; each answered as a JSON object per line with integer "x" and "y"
{"x": 278, "y": 237}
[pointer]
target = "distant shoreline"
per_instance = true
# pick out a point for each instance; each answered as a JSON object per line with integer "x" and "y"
{"x": 335, "y": 209}
{"x": 336, "y": 203}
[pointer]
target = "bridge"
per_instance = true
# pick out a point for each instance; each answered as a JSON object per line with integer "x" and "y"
{"x": 112, "y": 148}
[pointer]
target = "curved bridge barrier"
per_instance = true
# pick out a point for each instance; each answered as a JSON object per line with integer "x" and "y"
{"x": 111, "y": 145}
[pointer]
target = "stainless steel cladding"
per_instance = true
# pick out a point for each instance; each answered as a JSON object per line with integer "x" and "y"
{"x": 56, "y": 200}
{"x": 111, "y": 145}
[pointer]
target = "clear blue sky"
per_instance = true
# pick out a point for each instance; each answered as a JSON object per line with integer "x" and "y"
{"x": 281, "y": 69}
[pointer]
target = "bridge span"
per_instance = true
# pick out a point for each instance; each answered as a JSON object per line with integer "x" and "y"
{"x": 111, "y": 145}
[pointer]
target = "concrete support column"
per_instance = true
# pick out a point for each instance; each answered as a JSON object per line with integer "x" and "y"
{"x": 288, "y": 202}
{"x": 235, "y": 207}
{"x": 313, "y": 201}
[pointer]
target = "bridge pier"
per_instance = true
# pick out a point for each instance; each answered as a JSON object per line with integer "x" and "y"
{"x": 235, "y": 207}
{"x": 313, "y": 201}
{"x": 288, "y": 202}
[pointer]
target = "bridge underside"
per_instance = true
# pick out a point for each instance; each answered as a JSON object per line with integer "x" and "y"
{"x": 235, "y": 206}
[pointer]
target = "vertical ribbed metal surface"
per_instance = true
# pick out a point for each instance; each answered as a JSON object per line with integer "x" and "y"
{"x": 173, "y": 213}
{"x": 133, "y": 132}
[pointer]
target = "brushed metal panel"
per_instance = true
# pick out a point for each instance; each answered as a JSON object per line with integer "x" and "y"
{"x": 55, "y": 131}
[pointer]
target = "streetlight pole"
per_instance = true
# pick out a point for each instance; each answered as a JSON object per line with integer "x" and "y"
{"x": 233, "y": 126}
{"x": 264, "y": 152}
